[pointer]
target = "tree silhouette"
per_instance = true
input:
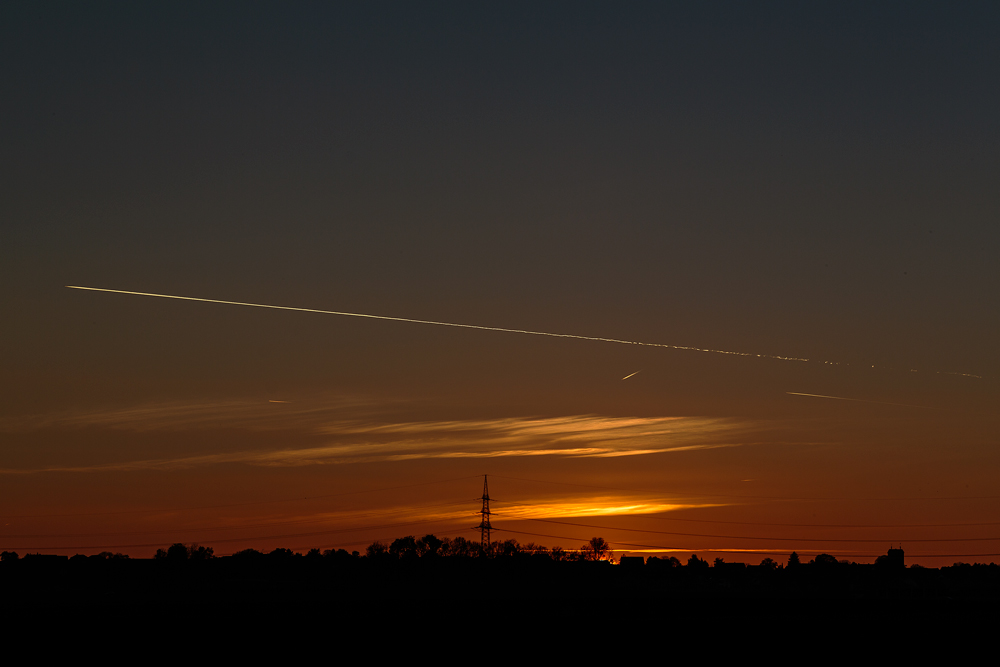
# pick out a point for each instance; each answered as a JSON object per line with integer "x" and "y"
{"x": 376, "y": 550}
{"x": 404, "y": 547}
{"x": 506, "y": 548}
{"x": 462, "y": 548}
{"x": 596, "y": 549}
{"x": 534, "y": 549}
{"x": 825, "y": 560}
{"x": 695, "y": 562}
{"x": 200, "y": 553}
{"x": 177, "y": 552}
{"x": 429, "y": 545}
{"x": 793, "y": 559}
{"x": 245, "y": 554}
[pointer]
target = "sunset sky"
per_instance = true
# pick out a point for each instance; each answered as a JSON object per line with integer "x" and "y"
{"x": 814, "y": 187}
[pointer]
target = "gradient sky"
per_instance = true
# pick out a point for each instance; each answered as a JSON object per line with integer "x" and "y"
{"x": 817, "y": 182}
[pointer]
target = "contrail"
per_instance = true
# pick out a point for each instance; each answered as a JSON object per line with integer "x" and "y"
{"x": 485, "y": 328}
{"x": 859, "y": 400}
{"x": 631, "y": 374}
{"x": 443, "y": 324}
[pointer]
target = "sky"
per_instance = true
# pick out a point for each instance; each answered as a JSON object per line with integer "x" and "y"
{"x": 811, "y": 186}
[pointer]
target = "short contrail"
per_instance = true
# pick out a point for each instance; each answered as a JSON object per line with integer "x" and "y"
{"x": 442, "y": 324}
{"x": 631, "y": 374}
{"x": 858, "y": 400}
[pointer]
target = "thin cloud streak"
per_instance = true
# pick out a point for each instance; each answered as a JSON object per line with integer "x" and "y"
{"x": 343, "y": 454}
{"x": 547, "y": 508}
{"x": 595, "y": 506}
{"x": 188, "y": 415}
{"x": 373, "y": 440}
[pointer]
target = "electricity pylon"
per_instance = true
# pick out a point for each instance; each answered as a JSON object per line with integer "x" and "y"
{"x": 484, "y": 525}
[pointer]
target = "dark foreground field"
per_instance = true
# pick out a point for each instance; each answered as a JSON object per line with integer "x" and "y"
{"x": 234, "y": 581}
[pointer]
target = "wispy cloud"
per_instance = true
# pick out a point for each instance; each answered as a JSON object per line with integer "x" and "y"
{"x": 531, "y": 508}
{"x": 260, "y": 414}
{"x": 369, "y": 435}
{"x": 596, "y": 506}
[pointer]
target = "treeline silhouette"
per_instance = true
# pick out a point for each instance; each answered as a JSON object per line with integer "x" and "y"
{"x": 446, "y": 568}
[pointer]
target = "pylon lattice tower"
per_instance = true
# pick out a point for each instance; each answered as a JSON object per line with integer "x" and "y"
{"x": 484, "y": 525}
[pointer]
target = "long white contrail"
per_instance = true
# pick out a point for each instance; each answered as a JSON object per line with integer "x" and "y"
{"x": 483, "y": 328}
{"x": 442, "y": 324}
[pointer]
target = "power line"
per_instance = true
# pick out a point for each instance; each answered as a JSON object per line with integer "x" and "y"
{"x": 697, "y": 494}
{"x": 255, "y": 502}
{"x": 771, "y": 552}
{"x": 243, "y": 539}
{"x": 775, "y": 539}
{"x": 821, "y": 525}
{"x": 541, "y": 481}
{"x": 229, "y": 527}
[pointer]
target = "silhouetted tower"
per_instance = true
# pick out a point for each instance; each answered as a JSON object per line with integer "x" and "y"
{"x": 484, "y": 525}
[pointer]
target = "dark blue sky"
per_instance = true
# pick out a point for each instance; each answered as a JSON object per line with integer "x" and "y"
{"x": 782, "y": 178}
